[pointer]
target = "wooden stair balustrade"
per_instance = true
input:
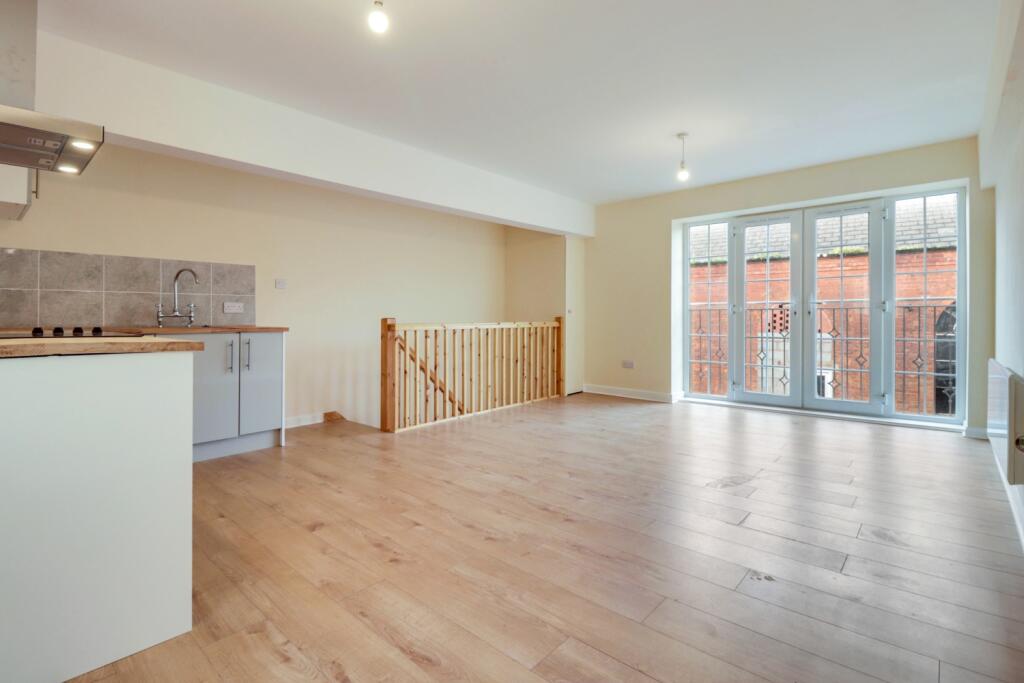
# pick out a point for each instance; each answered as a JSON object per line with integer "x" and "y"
{"x": 442, "y": 386}
{"x": 434, "y": 372}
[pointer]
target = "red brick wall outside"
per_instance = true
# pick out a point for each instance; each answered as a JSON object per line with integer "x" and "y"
{"x": 917, "y": 318}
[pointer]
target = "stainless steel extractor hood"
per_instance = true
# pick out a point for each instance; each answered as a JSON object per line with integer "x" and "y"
{"x": 46, "y": 143}
{"x": 28, "y": 138}
{"x": 31, "y": 141}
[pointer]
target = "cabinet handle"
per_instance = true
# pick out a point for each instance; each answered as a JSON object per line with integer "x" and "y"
{"x": 248, "y": 354}
{"x": 231, "y": 356}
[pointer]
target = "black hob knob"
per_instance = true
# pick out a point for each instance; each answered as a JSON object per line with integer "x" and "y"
{"x": 37, "y": 332}
{"x": 58, "y": 332}
{"x": 78, "y": 332}
{"x": 97, "y": 331}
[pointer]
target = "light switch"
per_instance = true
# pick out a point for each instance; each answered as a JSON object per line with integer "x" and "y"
{"x": 234, "y": 307}
{"x": 627, "y": 364}
{"x": 280, "y": 283}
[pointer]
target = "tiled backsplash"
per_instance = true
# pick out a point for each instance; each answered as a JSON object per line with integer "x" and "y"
{"x": 50, "y": 288}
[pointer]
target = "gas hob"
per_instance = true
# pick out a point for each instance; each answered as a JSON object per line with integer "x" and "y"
{"x": 58, "y": 332}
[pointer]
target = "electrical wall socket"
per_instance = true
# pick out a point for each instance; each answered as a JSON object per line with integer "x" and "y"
{"x": 234, "y": 307}
{"x": 280, "y": 283}
{"x": 627, "y": 364}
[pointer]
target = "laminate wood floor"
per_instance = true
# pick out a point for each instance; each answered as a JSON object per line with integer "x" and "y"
{"x": 600, "y": 539}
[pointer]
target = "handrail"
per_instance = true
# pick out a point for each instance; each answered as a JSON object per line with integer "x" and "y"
{"x": 433, "y": 372}
{"x": 465, "y": 326}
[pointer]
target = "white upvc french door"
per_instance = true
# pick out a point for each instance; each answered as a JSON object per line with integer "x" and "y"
{"x": 843, "y": 308}
{"x": 853, "y": 308}
{"x": 925, "y": 297}
{"x": 766, "y": 340}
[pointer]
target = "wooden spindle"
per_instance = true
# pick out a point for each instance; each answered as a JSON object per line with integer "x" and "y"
{"x": 433, "y": 386}
{"x": 560, "y": 357}
{"x": 544, "y": 361}
{"x": 444, "y": 374}
{"x": 462, "y": 370}
{"x": 405, "y": 379}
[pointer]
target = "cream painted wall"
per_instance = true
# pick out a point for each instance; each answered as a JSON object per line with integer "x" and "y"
{"x": 1009, "y": 257}
{"x": 629, "y": 262}
{"x": 544, "y": 277}
{"x": 1003, "y": 159}
{"x": 1009, "y": 316}
{"x": 348, "y": 260}
{"x": 534, "y": 275}
{"x": 575, "y": 312}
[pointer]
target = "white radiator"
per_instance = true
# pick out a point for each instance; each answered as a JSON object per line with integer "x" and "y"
{"x": 1006, "y": 420}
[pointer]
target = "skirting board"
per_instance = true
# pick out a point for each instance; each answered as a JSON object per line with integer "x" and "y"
{"x": 622, "y": 392}
{"x": 303, "y": 420}
{"x": 1016, "y": 496}
{"x": 846, "y": 417}
{"x": 240, "y": 444}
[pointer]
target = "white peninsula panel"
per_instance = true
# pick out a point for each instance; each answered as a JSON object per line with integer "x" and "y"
{"x": 95, "y": 509}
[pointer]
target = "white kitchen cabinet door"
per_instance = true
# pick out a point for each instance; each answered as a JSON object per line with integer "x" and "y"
{"x": 215, "y": 403}
{"x": 261, "y": 356}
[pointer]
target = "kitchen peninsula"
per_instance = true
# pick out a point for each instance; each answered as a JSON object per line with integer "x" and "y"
{"x": 95, "y": 500}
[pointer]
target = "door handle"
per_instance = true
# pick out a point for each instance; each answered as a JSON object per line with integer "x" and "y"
{"x": 248, "y": 354}
{"x": 231, "y": 356}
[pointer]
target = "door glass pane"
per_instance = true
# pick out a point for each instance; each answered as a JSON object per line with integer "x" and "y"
{"x": 841, "y": 307}
{"x": 708, "y": 288}
{"x": 926, "y": 305}
{"x": 766, "y": 315}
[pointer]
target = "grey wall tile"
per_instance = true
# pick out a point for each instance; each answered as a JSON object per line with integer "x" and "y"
{"x": 64, "y": 288}
{"x": 187, "y": 286}
{"x": 69, "y": 309}
{"x": 130, "y": 274}
{"x": 129, "y": 309}
{"x": 248, "y": 317}
{"x": 19, "y": 268}
{"x": 67, "y": 270}
{"x": 18, "y": 308}
{"x": 234, "y": 279}
{"x": 202, "y": 302}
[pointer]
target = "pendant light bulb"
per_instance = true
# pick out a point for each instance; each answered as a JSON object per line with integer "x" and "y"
{"x": 378, "y": 19}
{"x": 683, "y": 174}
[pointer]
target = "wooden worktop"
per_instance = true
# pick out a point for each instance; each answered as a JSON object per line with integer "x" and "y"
{"x": 82, "y": 346}
{"x": 217, "y": 329}
{"x": 228, "y": 329}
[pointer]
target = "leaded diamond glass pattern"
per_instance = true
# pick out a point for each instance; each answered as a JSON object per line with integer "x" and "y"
{"x": 842, "y": 356}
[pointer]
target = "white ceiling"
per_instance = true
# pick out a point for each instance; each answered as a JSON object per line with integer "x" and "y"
{"x": 584, "y": 97}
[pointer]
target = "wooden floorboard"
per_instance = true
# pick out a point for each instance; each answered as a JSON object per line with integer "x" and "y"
{"x": 602, "y": 539}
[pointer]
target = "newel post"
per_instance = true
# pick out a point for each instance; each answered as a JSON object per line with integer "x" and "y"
{"x": 561, "y": 354}
{"x": 387, "y": 375}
